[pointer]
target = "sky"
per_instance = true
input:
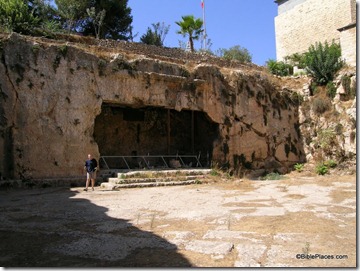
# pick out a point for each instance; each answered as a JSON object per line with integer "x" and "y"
{"x": 247, "y": 23}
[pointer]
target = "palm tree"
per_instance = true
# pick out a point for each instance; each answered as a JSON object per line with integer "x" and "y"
{"x": 192, "y": 27}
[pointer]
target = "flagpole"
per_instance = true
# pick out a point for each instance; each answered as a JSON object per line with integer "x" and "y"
{"x": 203, "y": 8}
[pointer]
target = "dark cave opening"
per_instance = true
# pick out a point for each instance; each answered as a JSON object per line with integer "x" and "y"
{"x": 154, "y": 131}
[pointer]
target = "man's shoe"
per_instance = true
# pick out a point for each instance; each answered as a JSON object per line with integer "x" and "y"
{"x": 85, "y": 189}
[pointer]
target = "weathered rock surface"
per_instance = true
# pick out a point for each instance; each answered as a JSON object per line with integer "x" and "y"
{"x": 51, "y": 93}
{"x": 330, "y": 134}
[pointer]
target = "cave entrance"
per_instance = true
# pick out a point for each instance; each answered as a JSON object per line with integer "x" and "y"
{"x": 124, "y": 131}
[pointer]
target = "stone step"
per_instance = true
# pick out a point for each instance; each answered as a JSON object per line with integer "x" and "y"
{"x": 151, "y": 178}
{"x": 106, "y": 173}
{"x": 155, "y": 179}
{"x": 111, "y": 186}
{"x": 158, "y": 173}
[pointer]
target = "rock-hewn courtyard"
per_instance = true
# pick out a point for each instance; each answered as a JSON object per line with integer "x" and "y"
{"x": 228, "y": 223}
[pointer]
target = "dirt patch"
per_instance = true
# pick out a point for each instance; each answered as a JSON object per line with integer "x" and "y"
{"x": 239, "y": 185}
{"x": 342, "y": 195}
{"x": 296, "y": 196}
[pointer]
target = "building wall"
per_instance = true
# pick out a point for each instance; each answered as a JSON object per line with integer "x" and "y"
{"x": 311, "y": 21}
{"x": 286, "y": 5}
{"x": 348, "y": 45}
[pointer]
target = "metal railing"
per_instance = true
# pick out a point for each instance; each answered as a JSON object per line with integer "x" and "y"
{"x": 130, "y": 160}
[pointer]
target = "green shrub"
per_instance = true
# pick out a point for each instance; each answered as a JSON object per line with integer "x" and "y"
{"x": 296, "y": 59}
{"x": 102, "y": 66}
{"x": 214, "y": 172}
{"x": 339, "y": 129}
{"x": 51, "y": 26}
{"x": 321, "y": 105}
{"x": 16, "y": 16}
{"x": 299, "y": 167}
{"x": 330, "y": 164}
{"x": 321, "y": 169}
{"x": 353, "y": 89}
{"x": 297, "y": 98}
{"x": 155, "y": 36}
{"x": 236, "y": 53}
{"x": 272, "y": 176}
{"x": 314, "y": 88}
{"x": 330, "y": 90}
{"x": 346, "y": 84}
{"x": 279, "y": 67}
{"x": 323, "y": 61}
{"x": 327, "y": 139}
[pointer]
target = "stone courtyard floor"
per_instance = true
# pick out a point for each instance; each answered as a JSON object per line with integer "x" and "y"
{"x": 237, "y": 223}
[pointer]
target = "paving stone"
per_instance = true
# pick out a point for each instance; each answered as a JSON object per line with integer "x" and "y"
{"x": 179, "y": 238}
{"x": 226, "y": 234}
{"x": 209, "y": 247}
{"x": 179, "y": 234}
{"x": 108, "y": 247}
{"x": 249, "y": 255}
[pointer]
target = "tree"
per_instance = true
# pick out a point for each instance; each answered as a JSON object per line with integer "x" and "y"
{"x": 16, "y": 16}
{"x": 72, "y": 11}
{"x": 97, "y": 19}
{"x": 42, "y": 9}
{"x": 191, "y": 27}
{"x": 156, "y": 36}
{"x": 151, "y": 38}
{"x": 48, "y": 16}
{"x": 132, "y": 36}
{"x": 236, "y": 53}
{"x": 117, "y": 22}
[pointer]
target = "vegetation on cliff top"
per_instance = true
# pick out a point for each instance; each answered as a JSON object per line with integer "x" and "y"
{"x": 103, "y": 19}
{"x": 321, "y": 62}
{"x": 38, "y": 17}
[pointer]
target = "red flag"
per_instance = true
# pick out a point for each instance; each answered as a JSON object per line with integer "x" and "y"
{"x": 202, "y": 3}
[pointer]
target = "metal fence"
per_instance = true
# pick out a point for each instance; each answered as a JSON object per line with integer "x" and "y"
{"x": 149, "y": 161}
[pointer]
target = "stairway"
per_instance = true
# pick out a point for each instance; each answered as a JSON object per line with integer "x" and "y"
{"x": 151, "y": 178}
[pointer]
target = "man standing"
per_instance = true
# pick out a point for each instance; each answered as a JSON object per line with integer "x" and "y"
{"x": 90, "y": 167}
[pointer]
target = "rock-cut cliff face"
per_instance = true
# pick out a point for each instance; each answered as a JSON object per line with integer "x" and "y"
{"x": 61, "y": 100}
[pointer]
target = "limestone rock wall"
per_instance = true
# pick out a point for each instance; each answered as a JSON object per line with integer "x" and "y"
{"x": 51, "y": 93}
{"x": 331, "y": 134}
{"x": 328, "y": 125}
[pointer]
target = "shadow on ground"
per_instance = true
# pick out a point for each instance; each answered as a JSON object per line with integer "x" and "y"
{"x": 52, "y": 228}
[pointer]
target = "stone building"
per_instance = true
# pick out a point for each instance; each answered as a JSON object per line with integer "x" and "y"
{"x": 301, "y": 23}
